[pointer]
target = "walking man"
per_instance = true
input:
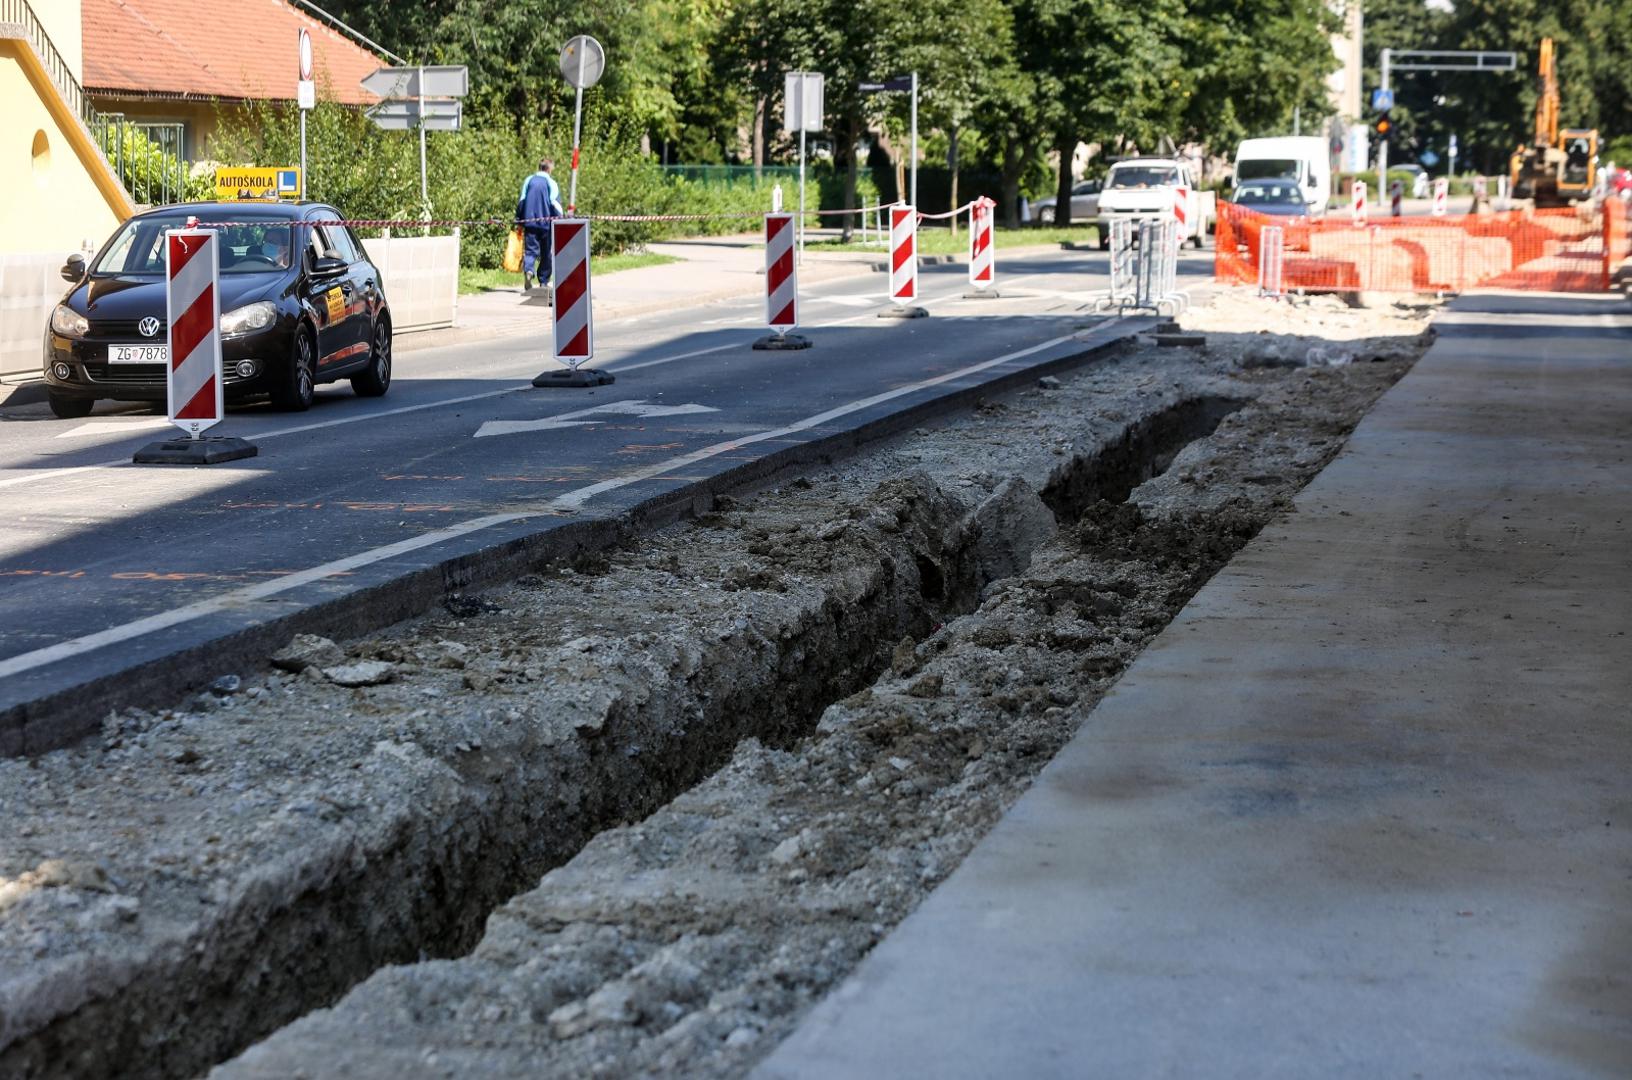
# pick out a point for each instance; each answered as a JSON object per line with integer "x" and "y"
{"x": 540, "y": 200}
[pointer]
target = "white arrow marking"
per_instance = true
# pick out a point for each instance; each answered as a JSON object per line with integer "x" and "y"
{"x": 513, "y": 427}
{"x": 566, "y": 420}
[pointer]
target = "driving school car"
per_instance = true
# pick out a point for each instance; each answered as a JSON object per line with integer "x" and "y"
{"x": 301, "y": 304}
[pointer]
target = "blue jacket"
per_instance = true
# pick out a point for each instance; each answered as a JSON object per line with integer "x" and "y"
{"x": 540, "y": 198}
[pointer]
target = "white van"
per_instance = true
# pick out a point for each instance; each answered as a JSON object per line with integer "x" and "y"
{"x": 1304, "y": 158}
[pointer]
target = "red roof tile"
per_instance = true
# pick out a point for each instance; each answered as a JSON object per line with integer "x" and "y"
{"x": 216, "y": 49}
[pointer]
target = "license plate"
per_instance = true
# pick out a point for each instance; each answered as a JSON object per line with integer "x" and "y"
{"x": 138, "y": 354}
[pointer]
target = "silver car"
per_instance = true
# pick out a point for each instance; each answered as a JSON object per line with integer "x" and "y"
{"x": 1084, "y": 204}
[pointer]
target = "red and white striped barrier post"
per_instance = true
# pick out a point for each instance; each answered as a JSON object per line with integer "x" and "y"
{"x": 781, "y": 285}
{"x": 572, "y": 307}
{"x": 194, "y": 380}
{"x": 982, "y": 264}
{"x": 1396, "y": 198}
{"x": 1358, "y": 206}
{"x": 903, "y": 264}
{"x": 1442, "y": 193}
{"x": 1181, "y": 213}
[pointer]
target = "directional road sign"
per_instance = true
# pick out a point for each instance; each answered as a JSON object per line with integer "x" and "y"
{"x": 406, "y": 115}
{"x": 802, "y": 101}
{"x": 900, "y": 84}
{"x": 1382, "y": 100}
{"x": 448, "y": 81}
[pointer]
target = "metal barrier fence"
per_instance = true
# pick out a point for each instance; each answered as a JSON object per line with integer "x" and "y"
{"x": 1144, "y": 268}
{"x": 1272, "y": 261}
{"x": 732, "y": 174}
{"x": 1566, "y": 250}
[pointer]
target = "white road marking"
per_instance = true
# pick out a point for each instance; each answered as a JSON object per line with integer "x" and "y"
{"x": 237, "y": 599}
{"x": 567, "y": 420}
{"x": 114, "y": 427}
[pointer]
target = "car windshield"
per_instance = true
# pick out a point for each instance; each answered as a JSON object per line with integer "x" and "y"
{"x": 247, "y": 247}
{"x": 1268, "y": 168}
{"x": 1283, "y": 192}
{"x": 1143, "y": 176}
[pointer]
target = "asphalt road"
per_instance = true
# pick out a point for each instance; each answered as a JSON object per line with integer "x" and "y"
{"x": 103, "y": 561}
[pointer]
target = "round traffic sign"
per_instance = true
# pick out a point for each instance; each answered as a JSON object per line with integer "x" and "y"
{"x": 305, "y": 54}
{"x": 583, "y": 61}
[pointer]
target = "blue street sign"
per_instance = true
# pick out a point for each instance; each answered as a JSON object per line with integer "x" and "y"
{"x": 1382, "y": 99}
{"x": 1429, "y": 158}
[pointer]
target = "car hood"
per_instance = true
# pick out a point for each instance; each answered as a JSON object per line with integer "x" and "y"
{"x": 135, "y": 297}
{"x": 1276, "y": 209}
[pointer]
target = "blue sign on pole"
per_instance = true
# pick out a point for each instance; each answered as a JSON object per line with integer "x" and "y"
{"x": 1428, "y": 158}
{"x": 1382, "y": 99}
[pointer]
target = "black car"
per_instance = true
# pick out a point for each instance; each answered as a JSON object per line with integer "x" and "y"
{"x": 1278, "y": 196}
{"x": 300, "y": 305}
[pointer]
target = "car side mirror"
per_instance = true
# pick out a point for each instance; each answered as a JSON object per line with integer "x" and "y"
{"x": 73, "y": 271}
{"x": 327, "y": 266}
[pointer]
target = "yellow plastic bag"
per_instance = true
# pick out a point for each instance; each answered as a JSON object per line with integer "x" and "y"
{"x": 513, "y": 249}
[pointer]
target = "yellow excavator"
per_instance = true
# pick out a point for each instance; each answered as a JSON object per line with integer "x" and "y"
{"x": 1558, "y": 167}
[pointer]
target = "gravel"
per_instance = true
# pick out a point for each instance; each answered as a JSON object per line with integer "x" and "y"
{"x": 746, "y": 747}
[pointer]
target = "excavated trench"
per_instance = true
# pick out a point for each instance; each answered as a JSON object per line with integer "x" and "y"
{"x": 617, "y": 720}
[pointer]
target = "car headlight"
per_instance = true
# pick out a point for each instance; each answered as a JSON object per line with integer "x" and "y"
{"x": 68, "y": 322}
{"x": 249, "y": 318}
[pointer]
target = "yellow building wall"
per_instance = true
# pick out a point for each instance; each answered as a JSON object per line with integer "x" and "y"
{"x": 57, "y": 193}
{"x": 64, "y": 23}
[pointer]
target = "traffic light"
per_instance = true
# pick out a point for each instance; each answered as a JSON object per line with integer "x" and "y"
{"x": 1385, "y": 125}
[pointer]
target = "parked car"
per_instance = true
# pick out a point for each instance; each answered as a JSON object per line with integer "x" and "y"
{"x": 1084, "y": 204}
{"x": 1140, "y": 189}
{"x": 1278, "y": 197}
{"x": 301, "y": 304}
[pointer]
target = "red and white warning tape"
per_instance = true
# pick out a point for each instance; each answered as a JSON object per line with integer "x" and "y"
{"x": 448, "y": 223}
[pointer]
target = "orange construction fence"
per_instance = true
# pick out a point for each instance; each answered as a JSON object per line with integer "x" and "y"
{"x": 1565, "y": 250}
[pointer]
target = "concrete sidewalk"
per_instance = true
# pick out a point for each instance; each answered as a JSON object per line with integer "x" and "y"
{"x": 1364, "y": 808}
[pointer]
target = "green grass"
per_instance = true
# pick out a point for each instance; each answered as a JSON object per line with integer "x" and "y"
{"x": 933, "y": 241}
{"x": 474, "y": 280}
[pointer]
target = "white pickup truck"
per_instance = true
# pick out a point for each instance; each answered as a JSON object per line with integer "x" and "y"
{"x": 1137, "y": 189}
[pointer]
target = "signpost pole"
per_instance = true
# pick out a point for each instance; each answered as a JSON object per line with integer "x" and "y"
{"x": 580, "y": 70}
{"x": 577, "y": 133}
{"x": 424, "y": 188}
{"x": 1382, "y": 144}
{"x": 305, "y": 98}
{"x": 915, "y": 139}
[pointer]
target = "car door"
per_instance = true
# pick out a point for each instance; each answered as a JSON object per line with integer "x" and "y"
{"x": 357, "y": 288}
{"x": 328, "y": 298}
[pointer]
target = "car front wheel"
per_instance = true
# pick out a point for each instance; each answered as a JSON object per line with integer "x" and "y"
{"x": 294, "y": 389}
{"x": 375, "y": 379}
{"x": 68, "y": 408}
{"x": 1045, "y": 216}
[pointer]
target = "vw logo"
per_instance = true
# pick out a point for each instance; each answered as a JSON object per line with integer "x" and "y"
{"x": 148, "y": 326}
